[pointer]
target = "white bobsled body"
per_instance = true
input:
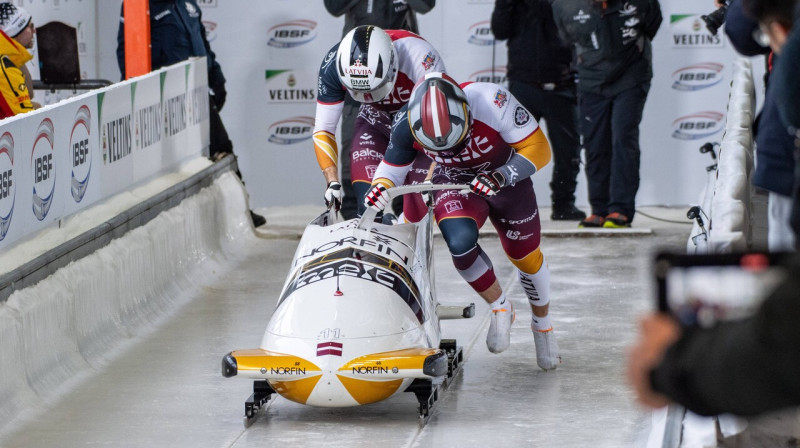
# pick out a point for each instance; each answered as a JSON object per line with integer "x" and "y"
{"x": 356, "y": 320}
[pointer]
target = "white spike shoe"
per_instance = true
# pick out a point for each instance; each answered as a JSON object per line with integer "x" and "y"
{"x": 546, "y": 349}
{"x": 499, "y": 337}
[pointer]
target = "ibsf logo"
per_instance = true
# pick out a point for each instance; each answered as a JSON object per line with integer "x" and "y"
{"x": 81, "y": 153}
{"x": 496, "y": 75}
{"x": 292, "y": 34}
{"x": 697, "y": 126}
{"x": 7, "y": 183}
{"x": 292, "y": 130}
{"x": 43, "y": 166}
{"x": 697, "y": 77}
{"x": 481, "y": 34}
{"x": 211, "y": 30}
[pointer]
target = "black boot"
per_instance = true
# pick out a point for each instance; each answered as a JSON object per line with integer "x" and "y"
{"x": 568, "y": 212}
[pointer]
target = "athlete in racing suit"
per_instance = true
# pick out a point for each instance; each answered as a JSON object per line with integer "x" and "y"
{"x": 496, "y": 155}
{"x": 414, "y": 58}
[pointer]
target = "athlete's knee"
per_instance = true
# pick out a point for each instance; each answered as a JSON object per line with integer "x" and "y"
{"x": 531, "y": 263}
{"x": 460, "y": 234}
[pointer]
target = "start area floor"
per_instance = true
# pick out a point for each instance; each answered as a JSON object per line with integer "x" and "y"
{"x": 166, "y": 389}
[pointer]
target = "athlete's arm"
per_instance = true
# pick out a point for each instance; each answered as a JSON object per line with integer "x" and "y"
{"x": 400, "y": 154}
{"x": 330, "y": 103}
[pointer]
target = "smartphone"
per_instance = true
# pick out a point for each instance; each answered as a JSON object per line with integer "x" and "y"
{"x": 703, "y": 290}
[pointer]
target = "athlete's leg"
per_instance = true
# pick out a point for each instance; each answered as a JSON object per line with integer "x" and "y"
{"x": 515, "y": 215}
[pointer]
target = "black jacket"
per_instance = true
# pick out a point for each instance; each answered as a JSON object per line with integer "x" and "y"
{"x": 612, "y": 40}
{"x": 744, "y": 367}
{"x": 385, "y": 14}
{"x": 535, "y": 51}
{"x": 176, "y": 33}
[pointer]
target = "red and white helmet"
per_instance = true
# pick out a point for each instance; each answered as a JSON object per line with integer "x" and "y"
{"x": 367, "y": 64}
{"x": 438, "y": 113}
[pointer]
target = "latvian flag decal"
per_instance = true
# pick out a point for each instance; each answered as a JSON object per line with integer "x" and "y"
{"x": 329, "y": 348}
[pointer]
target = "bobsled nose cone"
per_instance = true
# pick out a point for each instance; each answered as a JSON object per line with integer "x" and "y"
{"x": 229, "y": 366}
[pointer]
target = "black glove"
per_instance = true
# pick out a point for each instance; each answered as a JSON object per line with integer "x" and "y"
{"x": 219, "y": 95}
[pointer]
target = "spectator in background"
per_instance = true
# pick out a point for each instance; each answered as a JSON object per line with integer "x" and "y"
{"x": 743, "y": 367}
{"x": 614, "y": 71}
{"x": 541, "y": 77}
{"x": 176, "y": 34}
{"x": 388, "y": 15}
{"x": 775, "y": 159}
{"x": 784, "y": 79}
{"x": 16, "y": 39}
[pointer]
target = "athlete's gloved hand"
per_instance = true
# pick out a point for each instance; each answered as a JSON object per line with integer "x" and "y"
{"x": 427, "y": 196}
{"x": 333, "y": 195}
{"x": 485, "y": 185}
{"x": 376, "y": 198}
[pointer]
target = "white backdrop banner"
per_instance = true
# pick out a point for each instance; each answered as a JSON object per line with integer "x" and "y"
{"x": 62, "y": 158}
{"x": 271, "y": 56}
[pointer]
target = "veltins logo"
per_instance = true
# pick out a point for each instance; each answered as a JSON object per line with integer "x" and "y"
{"x": 290, "y": 86}
{"x": 689, "y": 31}
{"x": 8, "y": 186}
{"x": 697, "y": 76}
{"x": 481, "y": 34}
{"x": 81, "y": 153}
{"x": 211, "y": 30}
{"x": 43, "y": 166}
{"x": 292, "y": 130}
{"x": 292, "y": 34}
{"x": 697, "y": 126}
{"x": 496, "y": 75}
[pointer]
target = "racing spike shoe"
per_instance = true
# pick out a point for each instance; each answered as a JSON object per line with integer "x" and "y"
{"x": 616, "y": 221}
{"x": 499, "y": 337}
{"x": 592, "y": 221}
{"x": 567, "y": 213}
{"x": 546, "y": 349}
{"x": 258, "y": 220}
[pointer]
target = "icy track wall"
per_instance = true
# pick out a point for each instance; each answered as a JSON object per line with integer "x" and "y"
{"x": 54, "y": 333}
{"x": 726, "y": 199}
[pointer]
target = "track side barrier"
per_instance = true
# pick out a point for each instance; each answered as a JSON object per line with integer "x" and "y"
{"x": 56, "y": 332}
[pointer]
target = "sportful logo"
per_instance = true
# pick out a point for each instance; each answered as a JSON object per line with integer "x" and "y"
{"x": 292, "y": 34}
{"x": 291, "y": 131}
{"x": 697, "y": 126}
{"x": 481, "y": 34}
{"x": 496, "y": 75}
{"x": 697, "y": 77}
{"x": 81, "y": 153}
{"x": 7, "y": 184}
{"x": 44, "y": 173}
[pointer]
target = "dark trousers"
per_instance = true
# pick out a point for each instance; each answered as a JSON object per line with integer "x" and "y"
{"x": 349, "y": 114}
{"x": 610, "y": 127}
{"x": 220, "y": 143}
{"x": 559, "y": 109}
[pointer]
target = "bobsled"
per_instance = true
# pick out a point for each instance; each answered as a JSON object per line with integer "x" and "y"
{"x": 357, "y": 320}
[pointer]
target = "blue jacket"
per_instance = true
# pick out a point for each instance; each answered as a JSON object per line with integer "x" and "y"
{"x": 176, "y": 33}
{"x": 774, "y": 146}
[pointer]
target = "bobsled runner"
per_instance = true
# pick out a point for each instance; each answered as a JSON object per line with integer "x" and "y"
{"x": 357, "y": 320}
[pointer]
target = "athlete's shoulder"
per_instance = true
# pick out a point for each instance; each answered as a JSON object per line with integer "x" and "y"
{"x": 488, "y": 101}
{"x": 396, "y": 35}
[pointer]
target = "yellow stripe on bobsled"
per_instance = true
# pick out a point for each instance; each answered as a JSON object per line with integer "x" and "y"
{"x": 297, "y": 390}
{"x": 375, "y": 377}
{"x": 266, "y": 365}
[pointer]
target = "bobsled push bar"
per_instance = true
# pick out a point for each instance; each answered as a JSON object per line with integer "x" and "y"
{"x": 369, "y": 214}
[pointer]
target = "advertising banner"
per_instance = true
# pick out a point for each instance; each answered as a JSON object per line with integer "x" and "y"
{"x": 59, "y": 159}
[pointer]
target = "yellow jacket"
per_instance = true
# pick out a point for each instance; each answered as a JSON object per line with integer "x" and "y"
{"x": 15, "y": 98}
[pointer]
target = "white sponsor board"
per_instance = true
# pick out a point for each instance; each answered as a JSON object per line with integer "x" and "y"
{"x": 271, "y": 57}
{"x": 62, "y": 158}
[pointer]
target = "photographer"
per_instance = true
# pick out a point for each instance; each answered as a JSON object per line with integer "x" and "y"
{"x": 743, "y": 367}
